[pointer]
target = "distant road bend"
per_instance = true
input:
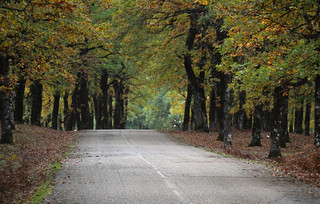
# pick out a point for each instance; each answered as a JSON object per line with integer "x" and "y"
{"x": 144, "y": 166}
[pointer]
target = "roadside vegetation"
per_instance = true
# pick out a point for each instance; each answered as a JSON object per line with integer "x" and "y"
{"x": 27, "y": 168}
{"x": 301, "y": 159}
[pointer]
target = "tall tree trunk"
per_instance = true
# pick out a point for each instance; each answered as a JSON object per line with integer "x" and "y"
{"x": 267, "y": 120}
{"x": 91, "y": 118}
{"x": 256, "y": 130}
{"x": 55, "y": 111}
{"x": 276, "y": 118}
{"x": 67, "y": 115}
{"x": 227, "y": 117}
{"x": 121, "y": 107}
{"x": 186, "y": 119}
{"x": 75, "y": 113}
{"x": 125, "y": 109}
{"x": 7, "y": 119}
{"x": 200, "y": 114}
{"x": 19, "y": 106}
{"x": 298, "y": 120}
{"x": 110, "y": 112}
{"x": 97, "y": 111}
{"x": 240, "y": 115}
{"x": 307, "y": 119}
{"x": 117, "y": 109}
{"x": 7, "y": 114}
{"x": 247, "y": 123}
{"x": 291, "y": 121}
{"x": 192, "y": 126}
{"x": 104, "y": 107}
{"x": 284, "y": 134}
{"x": 84, "y": 101}
{"x": 317, "y": 111}
{"x": 36, "y": 108}
{"x": 212, "y": 111}
{"x": 220, "y": 110}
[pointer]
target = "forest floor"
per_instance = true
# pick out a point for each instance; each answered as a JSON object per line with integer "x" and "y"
{"x": 27, "y": 167}
{"x": 301, "y": 159}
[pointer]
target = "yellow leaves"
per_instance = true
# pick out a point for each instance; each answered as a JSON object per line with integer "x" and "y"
{"x": 203, "y": 2}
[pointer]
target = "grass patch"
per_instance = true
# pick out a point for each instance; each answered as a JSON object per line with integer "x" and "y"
{"x": 45, "y": 189}
{"x": 41, "y": 192}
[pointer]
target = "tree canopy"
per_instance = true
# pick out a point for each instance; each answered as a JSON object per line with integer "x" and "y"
{"x": 183, "y": 64}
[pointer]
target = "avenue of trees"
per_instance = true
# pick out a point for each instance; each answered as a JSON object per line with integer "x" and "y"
{"x": 200, "y": 65}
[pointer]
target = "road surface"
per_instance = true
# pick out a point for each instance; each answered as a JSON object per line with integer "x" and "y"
{"x": 123, "y": 166}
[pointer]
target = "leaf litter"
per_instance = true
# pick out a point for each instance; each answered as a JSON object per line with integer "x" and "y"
{"x": 28, "y": 163}
{"x": 300, "y": 159}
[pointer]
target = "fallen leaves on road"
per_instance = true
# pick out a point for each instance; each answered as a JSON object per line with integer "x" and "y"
{"x": 24, "y": 165}
{"x": 301, "y": 159}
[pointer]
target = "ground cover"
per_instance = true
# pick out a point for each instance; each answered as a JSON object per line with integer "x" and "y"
{"x": 26, "y": 166}
{"x": 301, "y": 159}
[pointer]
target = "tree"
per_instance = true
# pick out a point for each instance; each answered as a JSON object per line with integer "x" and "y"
{"x": 6, "y": 102}
{"x": 55, "y": 111}
{"x": 279, "y": 42}
{"x": 36, "y": 108}
{"x": 257, "y": 126}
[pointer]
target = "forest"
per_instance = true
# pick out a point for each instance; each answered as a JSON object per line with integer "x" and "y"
{"x": 191, "y": 65}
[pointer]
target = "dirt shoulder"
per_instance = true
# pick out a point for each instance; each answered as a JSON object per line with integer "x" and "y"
{"x": 28, "y": 163}
{"x": 301, "y": 159}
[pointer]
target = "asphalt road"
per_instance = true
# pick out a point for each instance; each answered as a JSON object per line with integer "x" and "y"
{"x": 123, "y": 166}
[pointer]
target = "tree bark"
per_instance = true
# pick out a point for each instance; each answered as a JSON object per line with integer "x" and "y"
{"x": 104, "y": 106}
{"x": 291, "y": 121}
{"x": 7, "y": 119}
{"x": 284, "y": 134}
{"x": 67, "y": 115}
{"x": 247, "y": 123}
{"x": 97, "y": 111}
{"x": 267, "y": 121}
{"x": 307, "y": 119}
{"x": 275, "y": 150}
{"x": 7, "y": 114}
{"x": 192, "y": 126}
{"x": 55, "y": 111}
{"x": 240, "y": 115}
{"x": 110, "y": 112}
{"x": 212, "y": 111}
{"x": 19, "y": 106}
{"x": 200, "y": 113}
{"x": 125, "y": 108}
{"x": 186, "y": 119}
{"x": 118, "y": 89}
{"x": 227, "y": 117}
{"x": 75, "y": 114}
{"x": 220, "y": 114}
{"x": 121, "y": 107}
{"x": 84, "y": 101}
{"x": 298, "y": 120}
{"x": 256, "y": 130}
{"x": 317, "y": 111}
{"x": 36, "y": 108}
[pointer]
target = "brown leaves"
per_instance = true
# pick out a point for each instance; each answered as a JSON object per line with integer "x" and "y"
{"x": 26, "y": 164}
{"x": 301, "y": 159}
